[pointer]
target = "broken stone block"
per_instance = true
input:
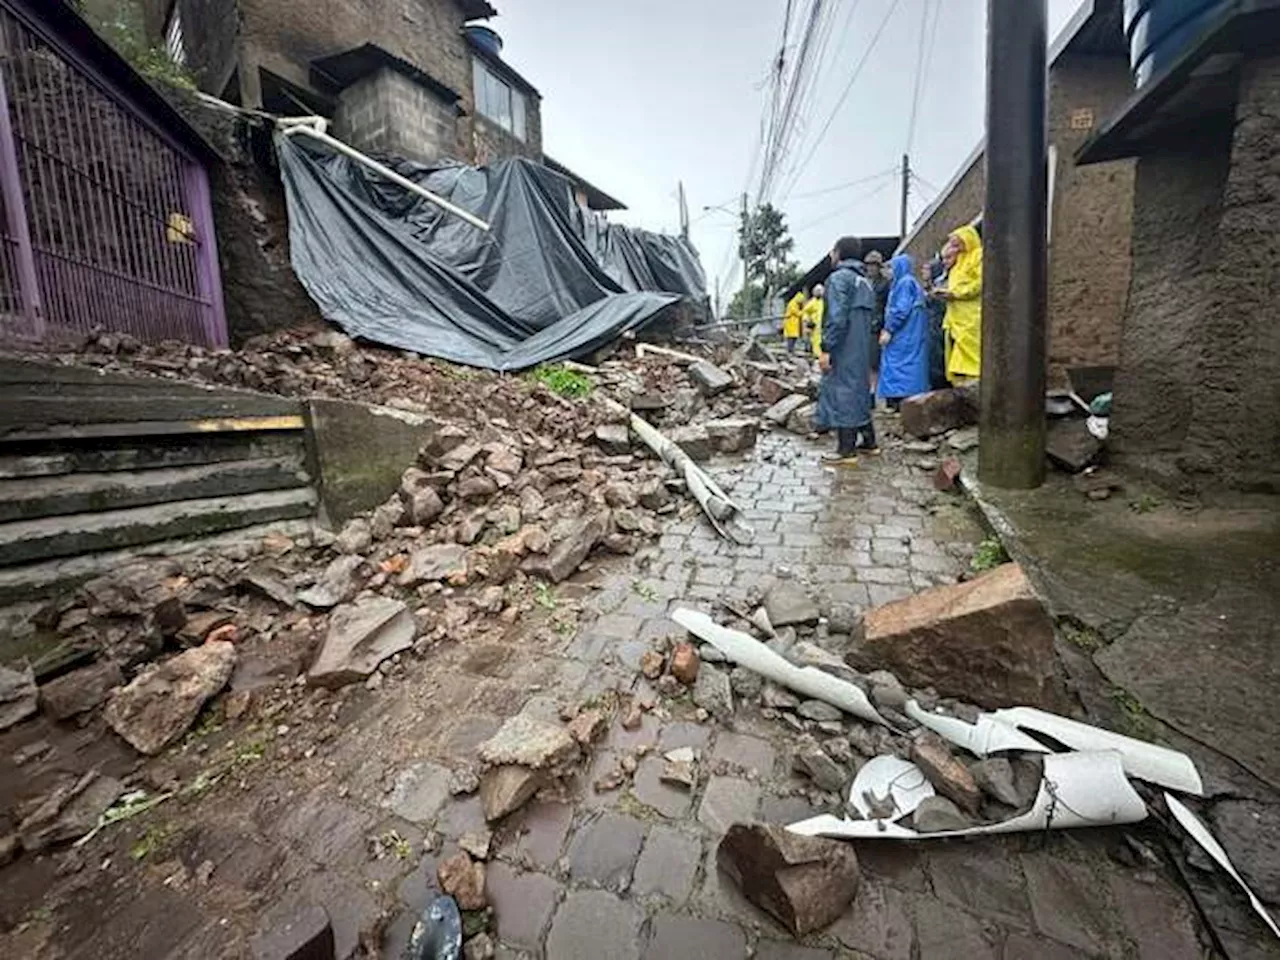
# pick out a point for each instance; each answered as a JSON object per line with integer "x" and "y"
{"x": 652, "y": 663}
{"x": 360, "y": 637}
{"x": 650, "y": 402}
{"x": 770, "y": 390}
{"x": 387, "y": 517}
{"x": 946, "y": 475}
{"x": 19, "y": 696}
{"x": 937, "y": 814}
{"x": 805, "y": 883}
{"x": 613, "y": 438}
{"x": 459, "y": 457}
{"x": 988, "y": 641}
{"x": 781, "y": 411}
{"x": 588, "y": 726}
{"x": 710, "y": 379}
{"x": 928, "y": 414}
{"x": 340, "y": 582}
{"x": 479, "y": 947}
{"x": 616, "y": 493}
{"x": 433, "y": 564}
{"x": 69, "y": 811}
{"x": 272, "y": 587}
{"x": 421, "y": 499}
{"x": 505, "y": 789}
{"x": 694, "y": 441}
{"x": 685, "y": 663}
{"x": 746, "y": 683}
{"x": 295, "y": 931}
{"x": 463, "y": 879}
{"x": 787, "y": 604}
{"x": 1070, "y": 446}
{"x": 947, "y": 774}
{"x": 713, "y": 692}
{"x": 886, "y": 691}
{"x": 653, "y": 494}
{"x": 530, "y": 742}
{"x": 679, "y": 767}
{"x": 80, "y": 690}
{"x": 818, "y": 711}
{"x": 567, "y": 555}
{"x": 801, "y": 420}
{"x": 994, "y": 776}
{"x": 811, "y": 760}
{"x": 778, "y": 698}
{"x": 162, "y": 703}
{"x": 356, "y": 537}
{"x": 477, "y": 488}
{"x": 733, "y": 434}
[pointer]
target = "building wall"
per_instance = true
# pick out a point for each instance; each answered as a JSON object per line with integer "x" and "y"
{"x": 494, "y": 143}
{"x": 1089, "y": 251}
{"x": 389, "y": 113}
{"x": 211, "y": 29}
{"x": 1197, "y": 401}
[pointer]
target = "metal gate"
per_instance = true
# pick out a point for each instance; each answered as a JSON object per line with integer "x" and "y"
{"x": 106, "y": 220}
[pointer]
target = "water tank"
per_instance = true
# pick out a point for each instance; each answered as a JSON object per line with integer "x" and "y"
{"x": 1159, "y": 31}
{"x": 485, "y": 38}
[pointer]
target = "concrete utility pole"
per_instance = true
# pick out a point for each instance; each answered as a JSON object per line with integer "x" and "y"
{"x": 684, "y": 213}
{"x": 906, "y": 192}
{"x": 1015, "y": 251}
{"x": 743, "y": 241}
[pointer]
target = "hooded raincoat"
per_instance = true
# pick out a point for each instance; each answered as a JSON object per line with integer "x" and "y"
{"x": 813, "y": 318}
{"x": 844, "y": 399}
{"x": 792, "y": 317}
{"x": 904, "y": 360}
{"x": 963, "y": 323}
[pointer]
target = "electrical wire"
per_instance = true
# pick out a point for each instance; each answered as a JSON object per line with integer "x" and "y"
{"x": 925, "y": 8}
{"x": 891, "y": 172}
{"x": 844, "y": 95}
{"x": 845, "y": 208}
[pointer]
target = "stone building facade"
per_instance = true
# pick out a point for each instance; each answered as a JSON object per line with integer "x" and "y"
{"x": 1089, "y": 256}
{"x": 395, "y": 76}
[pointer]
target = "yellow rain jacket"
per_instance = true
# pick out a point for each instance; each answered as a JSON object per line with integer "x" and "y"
{"x": 963, "y": 322}
{"x": 813, "y": 317}
{"x": 791, "y": 319}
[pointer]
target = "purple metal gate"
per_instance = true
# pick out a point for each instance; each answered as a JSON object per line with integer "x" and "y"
{"x": 105, "y": 220}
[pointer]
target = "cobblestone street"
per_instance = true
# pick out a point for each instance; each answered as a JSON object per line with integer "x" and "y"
{"x": 630, "y": 872}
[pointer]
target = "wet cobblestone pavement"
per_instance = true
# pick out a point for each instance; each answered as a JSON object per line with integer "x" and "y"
{"x": 630, "y": 873}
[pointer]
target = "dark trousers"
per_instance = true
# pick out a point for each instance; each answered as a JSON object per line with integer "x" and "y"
{"x": 850, "y": 439}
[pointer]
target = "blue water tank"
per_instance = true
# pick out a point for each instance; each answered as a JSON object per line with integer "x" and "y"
{"x": 1159, "y": 31}
{"x": 485, "y": 38}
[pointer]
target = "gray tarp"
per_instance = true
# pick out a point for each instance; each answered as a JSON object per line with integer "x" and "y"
{"x": 542, "y": 285}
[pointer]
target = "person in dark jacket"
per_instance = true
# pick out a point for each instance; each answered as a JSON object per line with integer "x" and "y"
{"x": 878, "y": 276}
{"x": 844, "y": 398}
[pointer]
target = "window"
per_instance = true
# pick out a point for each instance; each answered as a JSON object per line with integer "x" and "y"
{"x": 173, "y": 41}
{"x": 498, "y": 102}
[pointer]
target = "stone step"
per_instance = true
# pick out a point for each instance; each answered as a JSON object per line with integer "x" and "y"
{"x": 26, "y": 541}
{"x": 36, "y": 497}
{"x": 89, "y": 456}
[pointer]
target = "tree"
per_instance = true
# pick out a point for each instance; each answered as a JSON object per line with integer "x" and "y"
{"x": 747, "y": 302}
{"x": 766, "y": 244}
{"x": 120, "y": 23}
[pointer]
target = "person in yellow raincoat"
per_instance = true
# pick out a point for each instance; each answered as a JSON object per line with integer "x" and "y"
{"x": 792, "y": 320}
{"x": 963, "y": 322}
{"x": 813, "y": 319}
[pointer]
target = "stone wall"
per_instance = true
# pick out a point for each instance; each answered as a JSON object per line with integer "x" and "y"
{"x": 494, "y": 143}
{"x": 389, "y": 113}
{"x": 260, "y": 290}
{"x": 1197, "y": 400}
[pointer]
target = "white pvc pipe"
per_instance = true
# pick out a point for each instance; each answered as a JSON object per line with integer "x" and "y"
{"x": 304, "y": 126}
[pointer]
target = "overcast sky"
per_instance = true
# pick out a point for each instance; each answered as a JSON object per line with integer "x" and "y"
{"x": 640, "y": 95}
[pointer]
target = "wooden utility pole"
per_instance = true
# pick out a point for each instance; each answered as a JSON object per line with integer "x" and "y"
{"x": 906, "y": 192}
{"x": 1015, "y": 249}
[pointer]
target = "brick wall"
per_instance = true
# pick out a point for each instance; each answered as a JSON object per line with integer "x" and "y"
{"x": 1197, "y": 401}
{"x": 961, "y": 205}
{"x": 1092, "y": 218}
{"x": 390, "y": 113}
{"x": 494, "y": 143}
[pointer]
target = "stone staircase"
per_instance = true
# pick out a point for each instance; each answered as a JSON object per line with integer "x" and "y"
{"x": 98, "y": 468}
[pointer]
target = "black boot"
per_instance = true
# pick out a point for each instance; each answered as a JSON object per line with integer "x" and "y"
{"x": 846, "y": 453}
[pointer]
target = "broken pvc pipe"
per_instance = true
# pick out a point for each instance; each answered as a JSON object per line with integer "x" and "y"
{"x": 746, "y": 651}
{"x": 985, "y": 737}
{"x": 889, "y": 779}
{"x": 1077, "y": 790}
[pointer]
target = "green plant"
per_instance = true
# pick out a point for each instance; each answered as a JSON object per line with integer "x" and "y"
{"x": 989, "y": 555}
{"x": 120, "y": 24}
{"x": 1145, "y": 503}
{"x": 644, "y": 591}
{"x": 154, "y": 840}
{"x": 564, "y": 382}
{"x": 544, "y": 595}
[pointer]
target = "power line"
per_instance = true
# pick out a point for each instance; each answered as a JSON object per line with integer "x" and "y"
{"x": 924, "y": 183}
{"x": 892, "y": 171}
{"x": 857, "y": 70}
{"x": 844, "y": 209}
{"x": 916, "y": 89}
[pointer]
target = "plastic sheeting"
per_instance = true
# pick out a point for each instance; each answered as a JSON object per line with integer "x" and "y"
{"x": 544, "y": 284}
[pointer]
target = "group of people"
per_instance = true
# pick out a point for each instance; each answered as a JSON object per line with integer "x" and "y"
{"x": 889, "y": 332}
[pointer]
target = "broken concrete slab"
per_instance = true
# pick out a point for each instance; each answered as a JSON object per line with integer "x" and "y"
{"x": 806, "y": 883}
{"x": 801, "y": 421}
{"x": 988, "y": 641}
{"x": 928, "y": 414}
{"x": 694, "y": 441}
{"x": 710, "y": 379}
{"x": 19, "y": 696}
{"x": 733, "y": 434}
{"x": 781, "y": 411}
{"x": 713, "y": 692}
{"x": 435, "y": 563}
{"x": 360, "y": 637}
{"x": 788, "y": 604}
{"x": 1070, "y": 446}
{"x": 567, "y": 555}
{"x": 162, "y": 703}
{"x": 529, "y": 742}
{"x": 340, "y": 582}
{"x": 613, "y": 438}
{"x": 506, "y": 788}
{"x": 80, "y": 690}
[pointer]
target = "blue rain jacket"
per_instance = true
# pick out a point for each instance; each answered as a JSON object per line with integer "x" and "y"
{"x": 904, "y": 361}
{"x": 844, "y": 398}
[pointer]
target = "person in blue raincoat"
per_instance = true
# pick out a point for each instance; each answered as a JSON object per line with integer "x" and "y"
{"x": 844, "y": 398}
{"x": 904, "y": 341}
